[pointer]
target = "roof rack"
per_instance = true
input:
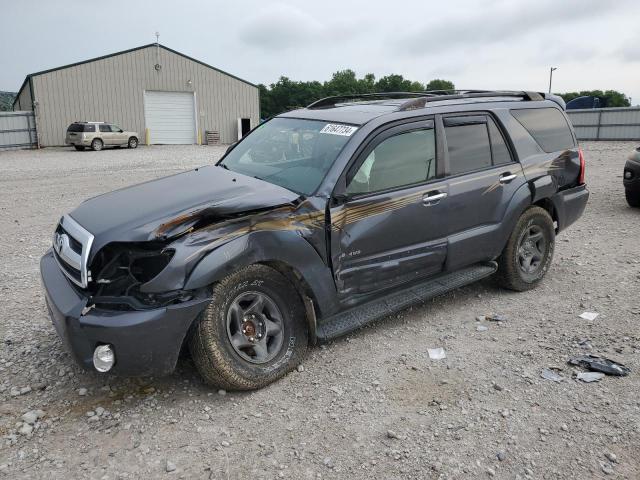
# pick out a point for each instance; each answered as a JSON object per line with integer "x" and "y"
{"x": 420, "y": 99}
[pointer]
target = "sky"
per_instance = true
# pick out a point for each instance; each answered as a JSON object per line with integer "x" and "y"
{"x": 491, "y": 44}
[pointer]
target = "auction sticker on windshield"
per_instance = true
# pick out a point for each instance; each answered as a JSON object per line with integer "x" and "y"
{"x": 336, "y": 129}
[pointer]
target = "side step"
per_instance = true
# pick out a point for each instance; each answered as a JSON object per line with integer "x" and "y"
{"x": 360, "y": 315}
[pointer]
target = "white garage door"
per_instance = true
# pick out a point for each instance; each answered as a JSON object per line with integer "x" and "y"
{"x": 170, "y": 117}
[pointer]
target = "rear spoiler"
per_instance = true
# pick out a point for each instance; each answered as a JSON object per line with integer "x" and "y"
{"x": 556, "y": 98}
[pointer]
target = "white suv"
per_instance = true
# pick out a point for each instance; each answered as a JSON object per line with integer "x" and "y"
{"x": 98, "y": 135}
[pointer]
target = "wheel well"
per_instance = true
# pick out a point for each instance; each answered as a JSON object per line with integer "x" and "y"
{"x": 303, "y": 289}
{"x": 547, "y": 204}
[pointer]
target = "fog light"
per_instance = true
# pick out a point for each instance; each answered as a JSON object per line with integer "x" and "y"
{"x": 628, "y": 174}
{"x": 103, "y": 358}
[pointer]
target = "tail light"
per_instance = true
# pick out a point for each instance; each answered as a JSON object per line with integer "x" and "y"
{"x": 582, "y": 167}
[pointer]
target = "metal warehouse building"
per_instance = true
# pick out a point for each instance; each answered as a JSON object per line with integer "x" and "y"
{"x": 167, "y": 97}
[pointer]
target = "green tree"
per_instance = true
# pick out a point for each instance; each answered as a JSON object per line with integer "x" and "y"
{"x": 438, "y": 84}
{"x": 397, "y": 83}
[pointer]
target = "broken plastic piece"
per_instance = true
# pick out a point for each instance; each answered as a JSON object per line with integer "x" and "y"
{"x": 589, "y": 377}
{"x": 548, "y": 374}
{"x": 600, "y": 364}
{"x": 436, "y": 353}
{"x": 589, "y": 315}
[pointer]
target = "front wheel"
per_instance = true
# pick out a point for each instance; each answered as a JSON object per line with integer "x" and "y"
{"x": 633, "y": 198}
{"x": 529, "y": 251}
{"x": 253, "y": 331}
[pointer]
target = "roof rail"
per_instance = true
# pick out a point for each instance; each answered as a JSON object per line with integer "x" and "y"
{"x": 439, "y": 95}
{"x": 420, "y": 99}
{"x": 329, "y": 102}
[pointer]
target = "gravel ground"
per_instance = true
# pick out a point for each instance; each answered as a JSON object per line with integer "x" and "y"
{"x": 370, "y": 405}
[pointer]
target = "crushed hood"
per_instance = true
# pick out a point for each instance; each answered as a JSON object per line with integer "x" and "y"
{"x": 168, "y": 206}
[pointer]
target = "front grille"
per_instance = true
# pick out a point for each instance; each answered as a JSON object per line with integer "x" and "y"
{"x": 71, "y": 248}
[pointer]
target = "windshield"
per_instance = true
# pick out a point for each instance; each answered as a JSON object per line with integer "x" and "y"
{"x": 292, "y": 153}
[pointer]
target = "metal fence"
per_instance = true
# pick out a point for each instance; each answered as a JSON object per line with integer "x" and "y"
{"x": 606, "y": 123}
{"x": 17, "y": 130}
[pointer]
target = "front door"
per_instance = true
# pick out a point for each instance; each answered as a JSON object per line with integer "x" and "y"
{"x": 118, "y": 136}
{"x": 389, "y": 229}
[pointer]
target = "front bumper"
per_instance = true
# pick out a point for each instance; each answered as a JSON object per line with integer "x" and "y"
{"x": 146, "y": 342}
{"x": 570, "y": 204}
{"x": 632, "y": 184}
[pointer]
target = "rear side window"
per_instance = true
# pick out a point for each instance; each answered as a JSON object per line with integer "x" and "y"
{"x": 89, "y": 128}
{"x": 547, "y": 126}
{"x": 468, "y": 147}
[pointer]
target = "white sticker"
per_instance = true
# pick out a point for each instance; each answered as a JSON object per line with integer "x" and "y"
{"x": 337, "y": 129}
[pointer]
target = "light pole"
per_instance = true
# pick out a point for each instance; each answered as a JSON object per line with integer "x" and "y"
{"x": 551, "y": 70}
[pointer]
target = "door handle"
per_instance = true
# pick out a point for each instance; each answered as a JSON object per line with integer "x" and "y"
{"x": 433, "y": 198}
{"x": 507, "y": 177}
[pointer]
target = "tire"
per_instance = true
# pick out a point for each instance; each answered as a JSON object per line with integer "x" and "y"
{"x": 525, "y": 260}
{"x": 97, "y": 145}
{"x": 633, "y": 199}
{"x": 80, "y": 148}
{"x": 219, "y": 360}
{"x": 132, "y": 143}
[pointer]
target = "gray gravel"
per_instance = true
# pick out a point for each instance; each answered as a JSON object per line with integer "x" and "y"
{"x": 371, "y": 405}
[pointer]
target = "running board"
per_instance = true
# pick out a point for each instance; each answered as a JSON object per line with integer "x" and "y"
{"x": 361, "y": 315}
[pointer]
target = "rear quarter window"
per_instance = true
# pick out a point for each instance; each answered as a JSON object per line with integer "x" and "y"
{"x": 547, "y": 126}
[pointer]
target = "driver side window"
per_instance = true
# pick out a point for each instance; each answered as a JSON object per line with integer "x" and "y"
{"x": 402, "y": 160}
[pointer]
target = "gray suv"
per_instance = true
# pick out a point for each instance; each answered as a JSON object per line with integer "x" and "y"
{"x": 318, "y": 222}
{"x": 98, "y": 135}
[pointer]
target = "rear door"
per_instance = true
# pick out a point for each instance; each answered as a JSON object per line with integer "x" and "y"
{"x": 105, "y": 134}
{"x": 483, "y": 176}
{"x": 389, "y": 229}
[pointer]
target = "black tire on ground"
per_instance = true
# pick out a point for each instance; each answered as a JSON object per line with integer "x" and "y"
{"x": 218, "y": 360}
{"x": 79, "y": 147}
{"x": 633, "y": 199}
{"x": 529, "y": 251}
{"x": 132, "y": 143}
{"x": 97, "y": 144}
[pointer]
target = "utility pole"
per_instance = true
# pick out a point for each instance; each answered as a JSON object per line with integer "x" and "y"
{"x": 551, "y": 70}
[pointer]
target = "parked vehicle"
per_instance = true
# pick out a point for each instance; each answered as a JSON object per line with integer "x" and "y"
{"x": 98, "y": 135}
{"x": 319, "y": 221}
{"x": 631, "y": 179}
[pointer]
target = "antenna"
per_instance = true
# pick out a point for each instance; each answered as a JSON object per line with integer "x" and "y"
{"x": 157, "y": 66}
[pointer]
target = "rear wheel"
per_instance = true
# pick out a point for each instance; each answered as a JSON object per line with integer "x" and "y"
{"x": 97, "y": 144}
{"x": 133, "y": 142}
{"x": 253, "y": 331}
{"x": 80, "y": 148}
{"x": 633, "y": 199}
{"x": 529, "y": 251}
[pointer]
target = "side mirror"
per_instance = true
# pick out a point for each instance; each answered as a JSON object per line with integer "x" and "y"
{"x": 121, "y": 131}
{"x": 231, "y": 147}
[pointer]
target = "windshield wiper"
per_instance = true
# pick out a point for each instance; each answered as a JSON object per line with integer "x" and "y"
{"x": 223, "y": 166}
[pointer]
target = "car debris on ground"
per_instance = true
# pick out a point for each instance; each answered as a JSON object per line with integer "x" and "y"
{"x": 589, "y": 315}
{"x": 600, "y": 364}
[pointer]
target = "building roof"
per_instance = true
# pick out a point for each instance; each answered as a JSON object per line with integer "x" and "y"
{"x": 42, "y": 72}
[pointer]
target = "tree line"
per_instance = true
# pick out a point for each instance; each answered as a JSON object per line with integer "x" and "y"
{"x": 287, "y": 94}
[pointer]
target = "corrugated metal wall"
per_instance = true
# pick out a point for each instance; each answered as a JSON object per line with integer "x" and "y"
{"x": 17, "y": 130}
{"x": 23, "y": 102}
{"x": 606, "y": 123}
{"x": 112, "y": 89}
